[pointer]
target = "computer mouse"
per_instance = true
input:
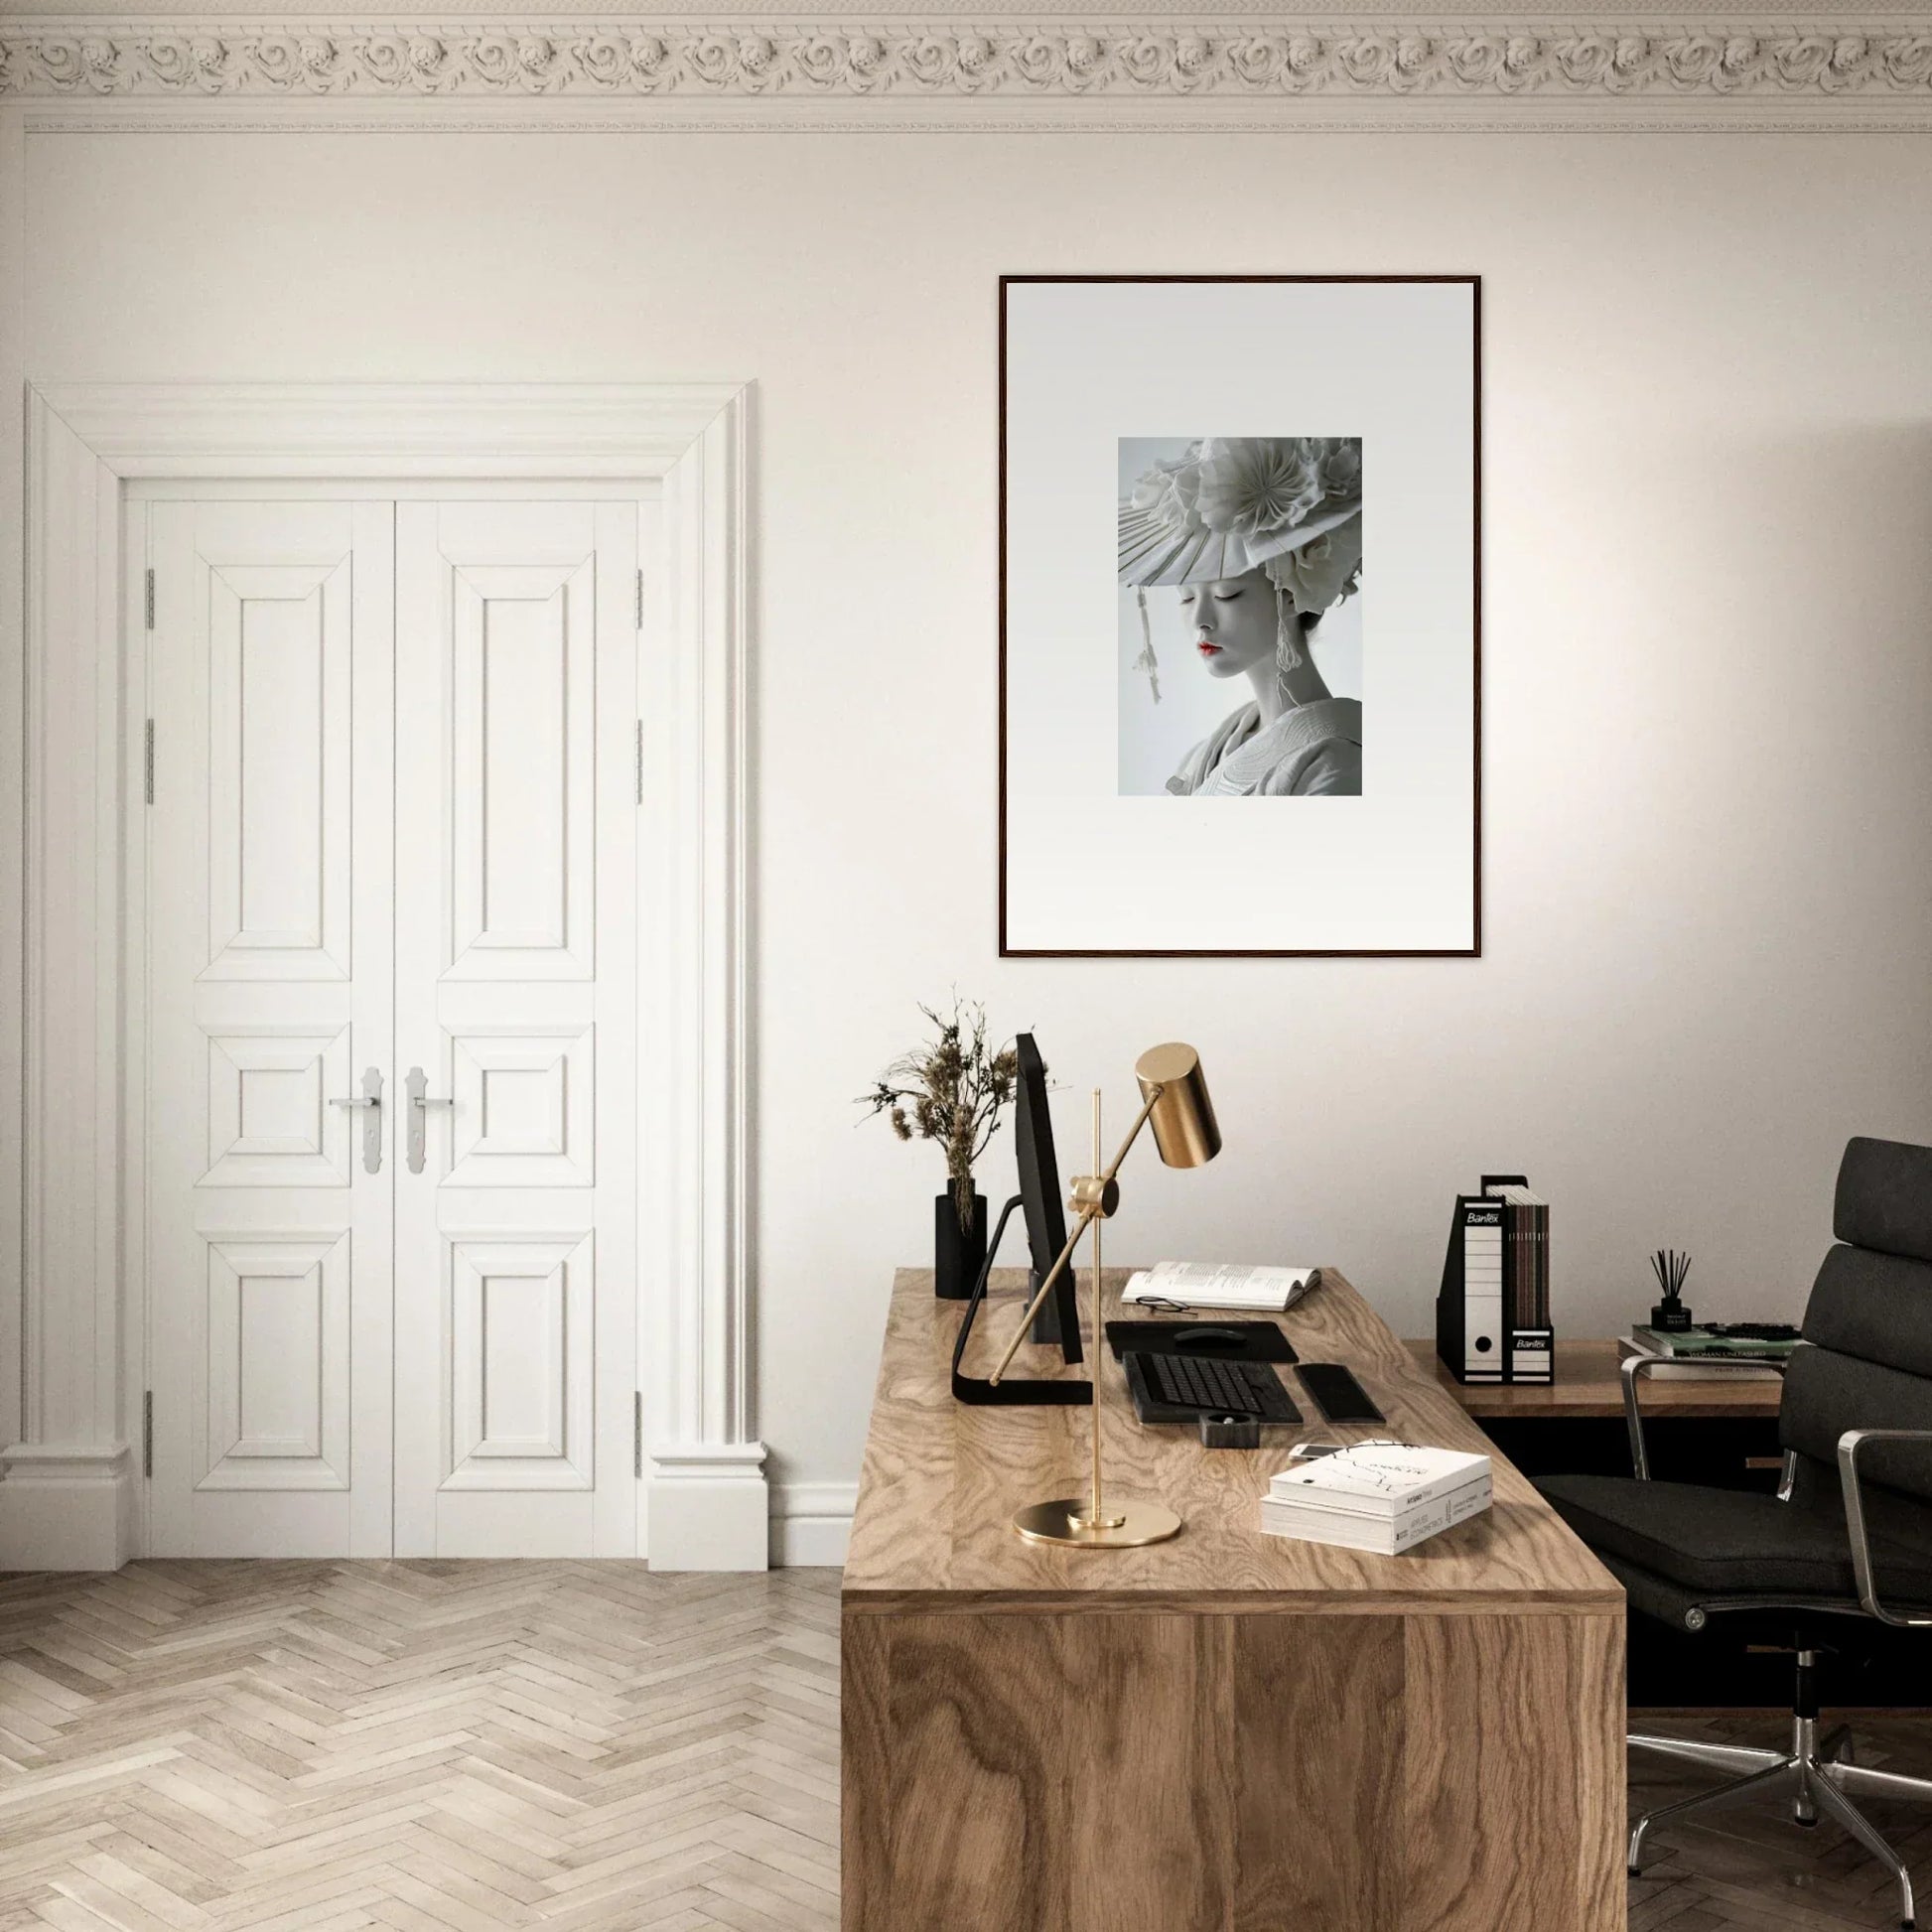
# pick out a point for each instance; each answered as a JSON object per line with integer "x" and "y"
{"x": 1208, "y": 1337}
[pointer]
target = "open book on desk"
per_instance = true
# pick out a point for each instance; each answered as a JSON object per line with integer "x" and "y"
{"x": 1212, "y": 1284}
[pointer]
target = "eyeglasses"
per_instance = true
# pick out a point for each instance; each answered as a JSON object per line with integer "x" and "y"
{"x": 1309, "y": 1452}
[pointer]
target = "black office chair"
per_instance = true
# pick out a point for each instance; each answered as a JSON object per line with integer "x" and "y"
{"x": 1847, "y": 1539}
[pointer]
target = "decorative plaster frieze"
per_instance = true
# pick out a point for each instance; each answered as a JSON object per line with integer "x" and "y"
{"x": 1185, "y": 61}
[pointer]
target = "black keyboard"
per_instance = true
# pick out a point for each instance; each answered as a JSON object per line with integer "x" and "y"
{"x": 1211, "y": 1387}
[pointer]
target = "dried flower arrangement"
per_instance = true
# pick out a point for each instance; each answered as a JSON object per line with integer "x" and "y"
{"x": 952, "y": 1090}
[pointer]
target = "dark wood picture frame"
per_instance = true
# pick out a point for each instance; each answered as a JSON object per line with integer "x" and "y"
{"x": 1474, "y": 950}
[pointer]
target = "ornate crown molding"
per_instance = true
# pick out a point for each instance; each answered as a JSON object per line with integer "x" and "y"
{"x": 1188, "y": 60}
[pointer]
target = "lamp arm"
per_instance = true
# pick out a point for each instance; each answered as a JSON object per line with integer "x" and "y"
{"x": 1053, "y": 1273}
{"x": 1088, "y": 1215}
{"x": 1133, "y": 1134}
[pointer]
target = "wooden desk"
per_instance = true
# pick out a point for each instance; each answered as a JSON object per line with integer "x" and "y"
{"x": 1227, "y": 1730}
{"x": 1587, "y": 1386}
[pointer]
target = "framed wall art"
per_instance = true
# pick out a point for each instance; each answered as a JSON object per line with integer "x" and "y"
{"x": 1240, "y": 614}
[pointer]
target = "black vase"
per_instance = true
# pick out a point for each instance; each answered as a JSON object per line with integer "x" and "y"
{"x": 958, "y": 1254}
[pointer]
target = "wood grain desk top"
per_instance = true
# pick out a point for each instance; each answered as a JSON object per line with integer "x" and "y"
{"x": 941, "y": 1480}
{"x": 1588, "y": 1385}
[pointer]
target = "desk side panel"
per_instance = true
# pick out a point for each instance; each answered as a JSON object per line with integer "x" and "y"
{"x": 865, "y": 1772}
{"x": 1119, "y": 1772}
{"x": 955, "y": 1784}
{"x": 1152, "y": 1786}
{"x": 1316, "y": 1732}
{"x": 1514, "y": 1774}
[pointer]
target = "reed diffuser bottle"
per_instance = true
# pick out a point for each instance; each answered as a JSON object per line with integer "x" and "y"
{"x": 1670, "y": 1314}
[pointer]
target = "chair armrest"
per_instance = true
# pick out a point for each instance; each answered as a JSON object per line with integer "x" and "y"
{"x": 1634, "y": 1367}
{"x": 1848, "y": 1446}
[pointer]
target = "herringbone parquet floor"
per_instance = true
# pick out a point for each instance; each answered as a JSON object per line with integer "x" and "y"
{"x": 432, "y": 1746}
{"x": 457, "y": 1747}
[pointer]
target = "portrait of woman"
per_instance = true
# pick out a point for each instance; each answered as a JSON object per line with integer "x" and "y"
{"x": 1248, "y": 543}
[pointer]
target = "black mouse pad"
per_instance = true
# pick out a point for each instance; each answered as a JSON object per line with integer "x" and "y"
{"x": 1222, "y": 1341}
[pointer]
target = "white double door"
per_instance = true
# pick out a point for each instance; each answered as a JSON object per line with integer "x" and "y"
{"x": 391, "y": 861}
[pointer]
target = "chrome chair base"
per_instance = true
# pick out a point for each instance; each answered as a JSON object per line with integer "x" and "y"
{"x": 1818, "y": 1777}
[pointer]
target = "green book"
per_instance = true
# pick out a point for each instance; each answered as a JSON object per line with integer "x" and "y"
{"x": 1688, "y": 1343}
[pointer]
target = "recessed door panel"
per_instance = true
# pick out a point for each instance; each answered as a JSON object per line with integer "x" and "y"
{"x": 524, "y": 764}
{"x": 276, "y": 1395}
{"x": 521, "y": 1403}
{"x": 278, "y": 763}
{"x": 524, "y": 1113}
{"x": 270, "y": 1121}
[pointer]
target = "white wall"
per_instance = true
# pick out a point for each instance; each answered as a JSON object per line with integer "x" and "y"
{"x": 1706, "y": 650}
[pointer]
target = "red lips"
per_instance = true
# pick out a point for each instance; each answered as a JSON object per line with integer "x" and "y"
{"x": 1206, "y": 650}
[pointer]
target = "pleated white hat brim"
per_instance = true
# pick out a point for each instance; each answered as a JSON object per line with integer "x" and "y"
{"x": 1153, "y": 551}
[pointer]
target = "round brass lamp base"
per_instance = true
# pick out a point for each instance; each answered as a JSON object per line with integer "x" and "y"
{"x": 1129, "y": 1525}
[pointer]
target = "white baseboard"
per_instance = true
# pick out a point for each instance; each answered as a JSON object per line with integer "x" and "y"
{"x": 811, "y": 1523}
{"x": 73, "y": 1509}
{"x": 66, "y": 1506}
{"x": 709, "y": 1507}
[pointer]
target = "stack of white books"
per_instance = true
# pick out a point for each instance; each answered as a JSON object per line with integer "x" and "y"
{"x": 1380, "y": 1496}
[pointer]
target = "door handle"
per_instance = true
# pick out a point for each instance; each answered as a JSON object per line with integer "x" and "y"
{"x": 371, "y": 1098}
{"x": 420, "y": 1102}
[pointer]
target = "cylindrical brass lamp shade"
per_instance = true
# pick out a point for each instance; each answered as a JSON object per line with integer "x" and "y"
{"x": 1183, "y": 1117}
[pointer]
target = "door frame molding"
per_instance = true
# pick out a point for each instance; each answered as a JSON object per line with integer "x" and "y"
{"x": 71, "y": 1424}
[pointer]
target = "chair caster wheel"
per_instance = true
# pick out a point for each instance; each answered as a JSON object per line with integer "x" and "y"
{"x": 1809, "y": 1824}
{"x": 1633, "y": 1871}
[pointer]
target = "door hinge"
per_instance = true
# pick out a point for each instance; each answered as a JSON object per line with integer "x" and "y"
{"x": 640, "y": 761}
{"x": 147, "y": 1432}
{"x": 147, "y": 761}
{"x": 637, "y": 1434}
{"x": 640, "y": 599}
{"x": 150, "y": 600}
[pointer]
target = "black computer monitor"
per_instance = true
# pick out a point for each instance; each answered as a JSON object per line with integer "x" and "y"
{"x": 1039, "y": 1200}
{"x": 1040, "y": 1197}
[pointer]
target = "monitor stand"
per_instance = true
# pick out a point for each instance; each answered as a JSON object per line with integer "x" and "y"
{"x": 1011, "y": 1391}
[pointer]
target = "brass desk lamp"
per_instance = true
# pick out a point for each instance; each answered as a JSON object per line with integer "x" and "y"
{"x": 1174, "y": 1102}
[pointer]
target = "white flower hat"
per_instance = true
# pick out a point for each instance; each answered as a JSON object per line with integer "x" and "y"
{"x": 1233, "y": 504}
{"x": 1287, "y": 505}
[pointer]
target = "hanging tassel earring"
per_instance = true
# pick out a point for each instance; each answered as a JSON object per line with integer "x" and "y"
{"x": 1147, "y": 661}
{"x": 1287, "y": 626}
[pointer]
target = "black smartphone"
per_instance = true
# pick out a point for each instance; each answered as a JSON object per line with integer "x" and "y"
{"x": 1337, "y": 1394}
